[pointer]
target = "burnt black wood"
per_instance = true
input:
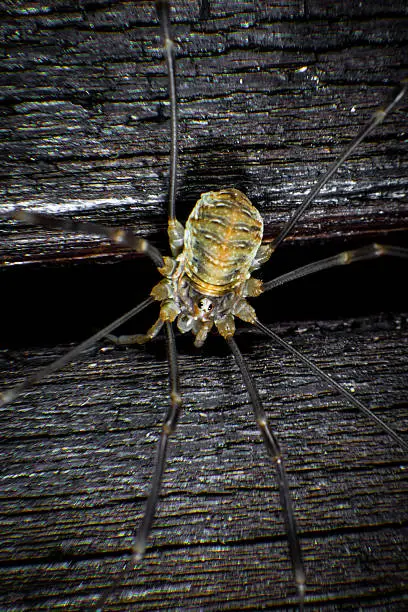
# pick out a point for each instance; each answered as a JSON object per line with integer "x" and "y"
{"x": 84, "y": 125}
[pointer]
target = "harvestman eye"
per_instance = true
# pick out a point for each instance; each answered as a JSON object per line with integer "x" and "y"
{"x": 213, "y": 259}
{"x": 205, "y": 305}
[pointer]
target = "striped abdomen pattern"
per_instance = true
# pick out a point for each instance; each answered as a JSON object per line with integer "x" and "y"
{"x": 222, "y": 236}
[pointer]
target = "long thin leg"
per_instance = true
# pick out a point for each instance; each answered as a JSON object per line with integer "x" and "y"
{"x": 11, "y": 394}
{"x": 119, "y": 236}
{"x": 175, "y": 228}
{"x": 169, "y": 425}
{"x": 273, "y": 449}
{"x": 127, "y": 339}
{"x": 377, "y": 117}
{"x": 345, "y": 257}
{"x": 332, "y": 382}
{"x": 163, "y": 11}
{"x": 176, "y": 240}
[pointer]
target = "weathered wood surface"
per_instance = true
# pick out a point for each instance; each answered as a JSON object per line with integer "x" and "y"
{"x": 84, "y": 120}
{"x": 268, "y": 96}
{"x": 77, "y": 458}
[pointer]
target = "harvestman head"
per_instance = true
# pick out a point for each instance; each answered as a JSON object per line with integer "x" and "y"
{"x": 205, "y": 283}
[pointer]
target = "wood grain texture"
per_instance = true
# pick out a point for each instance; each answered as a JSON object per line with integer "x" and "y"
{"x": 268, "y": 95}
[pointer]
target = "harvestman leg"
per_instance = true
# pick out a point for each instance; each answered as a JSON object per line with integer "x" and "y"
{"x": 122, "y": 237}
{"x": 377, "y": 117}
{"x": 175, "y": 229}
{"x": 371, "y": 251}
{"x": 11, "y": 394}
{"x": 365, "y": 253}
{"x": 272, "y": 445}
{"x": 332, "y": 382}
{"x": 163, "y": 11}
{"x": 168, "y": 428}
{"x": 170, "y": 422}
{"x": 115, "y": 235}
{"x": 273, "y": 449}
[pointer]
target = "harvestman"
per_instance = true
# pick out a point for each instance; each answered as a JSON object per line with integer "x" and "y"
{"x": 206, "y": 283}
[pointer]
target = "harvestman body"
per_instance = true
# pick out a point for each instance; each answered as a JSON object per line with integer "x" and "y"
{"x": 206, "y": 283}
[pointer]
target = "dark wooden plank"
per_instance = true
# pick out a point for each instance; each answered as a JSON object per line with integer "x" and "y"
{"x": 268, "y": 96}
{"x": 84, "y": 125}
{"x": 77, "y": 458}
